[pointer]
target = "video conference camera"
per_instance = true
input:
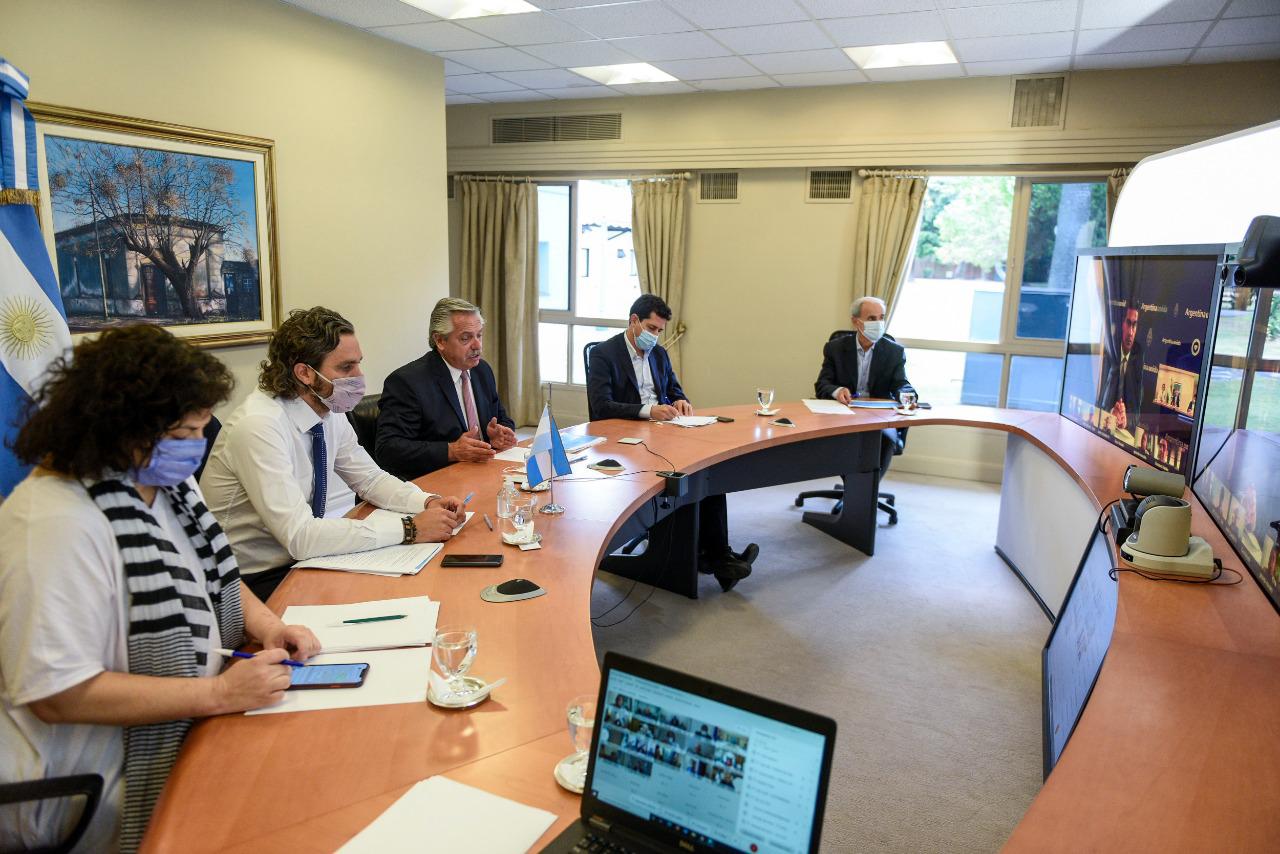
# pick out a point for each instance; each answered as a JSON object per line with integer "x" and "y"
{"x": 1258, "y": 261}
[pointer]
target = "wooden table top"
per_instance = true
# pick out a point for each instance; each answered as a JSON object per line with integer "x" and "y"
{"x": 1178, "y": 749}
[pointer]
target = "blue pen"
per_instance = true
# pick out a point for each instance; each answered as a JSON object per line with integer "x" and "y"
{"x": 231, "y": 653}
{"x": 467, "y": 500}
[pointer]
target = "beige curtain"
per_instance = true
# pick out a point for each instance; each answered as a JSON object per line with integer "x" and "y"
{"x": 888, "y": 210}
{"x": 1115, "y": 182}
{"x": 658, "y": 235}
{"x": 500, "y": 275}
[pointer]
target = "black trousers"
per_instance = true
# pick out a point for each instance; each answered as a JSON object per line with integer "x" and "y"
{"x": 264, "y": 583}
{"x": 713, "y": 525}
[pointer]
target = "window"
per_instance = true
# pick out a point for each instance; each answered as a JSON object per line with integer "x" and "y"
{"x": 984, "y": 305}
{"x": 590, "y": 222}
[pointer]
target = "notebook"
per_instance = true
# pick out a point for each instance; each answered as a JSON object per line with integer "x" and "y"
{"x": 678, "y": 762}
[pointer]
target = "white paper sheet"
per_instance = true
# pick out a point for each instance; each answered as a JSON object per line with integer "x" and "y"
{"x": 826, "y": 407}
{"x": 418, "y": 628}
{"x": 390, "y": 560}
{"x": 395, "y": 676}
{"x": 693, "y": 420}
{"x": 517, "y": 454}
{"x": 439, "y": 814}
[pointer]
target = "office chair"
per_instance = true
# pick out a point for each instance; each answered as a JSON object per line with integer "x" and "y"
{"x": 885, "y": 501}
{"x": 211, "y": 431}
{"x": 586, "y": 369}
{"x": 364, "y": 420}
{"x": 88, "y": 785}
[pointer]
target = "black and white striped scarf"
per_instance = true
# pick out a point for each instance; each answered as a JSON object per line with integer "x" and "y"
{"x": 169, "y": 623}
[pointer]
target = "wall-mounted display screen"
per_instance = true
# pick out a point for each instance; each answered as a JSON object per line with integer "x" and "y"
{"x": 1135, "y": 348}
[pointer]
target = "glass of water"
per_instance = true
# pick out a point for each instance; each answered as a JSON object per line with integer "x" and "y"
{"x": 454, "y": 648}
{"x": 517, "y": 527}
{"x": 582, "y": 720}
{"x": 764, "y": 397}
{"x": 908, "y": 400}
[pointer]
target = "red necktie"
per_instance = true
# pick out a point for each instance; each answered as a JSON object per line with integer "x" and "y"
{"x": 469, "y": 403}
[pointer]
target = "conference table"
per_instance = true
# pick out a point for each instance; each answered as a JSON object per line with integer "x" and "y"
{"x": 1178, "y": 747}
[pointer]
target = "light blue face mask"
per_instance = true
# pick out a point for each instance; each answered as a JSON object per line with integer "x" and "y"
{"x": 646, "y": 340}
{"x": 873, "y": 329}
{"x": 172, "y": 461}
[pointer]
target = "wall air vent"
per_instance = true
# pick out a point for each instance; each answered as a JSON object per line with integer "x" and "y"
{"x": 1039, "y": 101}
{"x": 717, "y": 186}
{"x": 830, "y": 185}
{"x": 579, "y": 128}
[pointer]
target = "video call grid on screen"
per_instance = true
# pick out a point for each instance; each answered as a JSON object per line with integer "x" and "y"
{"x": 1136, "y": 342}
{"x": 732, "y": 778}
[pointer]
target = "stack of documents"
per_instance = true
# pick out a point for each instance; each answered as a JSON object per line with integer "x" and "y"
{"x": 826, "y": 407}
{"x": 693, "y": 420}
{"x": 520, "y": 453}
{"x": 331, "y": 626}
{"x": 389, "y": 560}
{"x": 439, "y": 814}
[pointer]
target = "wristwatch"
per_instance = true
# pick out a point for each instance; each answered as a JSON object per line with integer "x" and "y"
{"x": 410, "y": 531}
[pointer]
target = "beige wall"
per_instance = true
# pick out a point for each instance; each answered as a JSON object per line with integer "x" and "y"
{"x": 358, "y": 124}
{"x": 768, "y": 277}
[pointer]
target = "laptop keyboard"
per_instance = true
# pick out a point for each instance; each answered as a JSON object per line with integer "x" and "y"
{"x": 592, "y": 844}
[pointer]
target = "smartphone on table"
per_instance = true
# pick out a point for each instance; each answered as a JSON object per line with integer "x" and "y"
{"x": 471, "y": 560}
{"x": 314, "y": 676}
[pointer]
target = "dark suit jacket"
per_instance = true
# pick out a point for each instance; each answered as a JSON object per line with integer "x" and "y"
{"x": 611, "y": 381}
{"x": 420, "y": 414}
{"x": 840, "y": 368}
{"x": 1132, "y": 397}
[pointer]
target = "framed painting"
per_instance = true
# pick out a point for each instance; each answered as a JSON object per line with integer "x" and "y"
{"x": 148, "y": 222}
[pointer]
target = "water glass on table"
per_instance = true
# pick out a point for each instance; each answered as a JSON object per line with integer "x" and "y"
{"x": 908, "y": 402}
{"x": 764, "y": 397}
{"x": 454, "y": 648}
{"x": 581, "y": 714}
{"x": 517, "y": 528}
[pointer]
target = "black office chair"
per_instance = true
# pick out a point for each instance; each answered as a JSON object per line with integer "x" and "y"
{"x": 885, "y": 501}
{"x": 87, "y": 785}
{"x": 211, "y": 431}
{"x": 586, "y": 369}
{"x": 364, "y": 420}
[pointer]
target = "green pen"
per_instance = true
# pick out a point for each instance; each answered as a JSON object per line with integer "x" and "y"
{"x": 375, "y": 619}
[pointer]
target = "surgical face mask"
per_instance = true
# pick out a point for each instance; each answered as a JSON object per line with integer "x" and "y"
{"x": 347, "y": 392}
{"x": 873, "y": 329}
{"x": 646, "y": 340}
{"x": 172, "y": 461}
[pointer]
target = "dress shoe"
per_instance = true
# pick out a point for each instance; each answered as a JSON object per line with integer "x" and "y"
{"x": 749, "y": 554}
{"x": 729, "y": 571}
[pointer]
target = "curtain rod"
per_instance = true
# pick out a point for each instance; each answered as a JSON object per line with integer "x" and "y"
{"x": 660, "y": 176}
{"x": 499, "y": 178}
{"x": 893, "y": 173}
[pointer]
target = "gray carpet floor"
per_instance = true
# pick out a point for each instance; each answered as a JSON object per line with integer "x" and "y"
{"x": 927, "y": 655}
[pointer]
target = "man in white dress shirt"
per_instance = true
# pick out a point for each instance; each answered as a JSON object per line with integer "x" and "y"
{"x": 269, "y": 476}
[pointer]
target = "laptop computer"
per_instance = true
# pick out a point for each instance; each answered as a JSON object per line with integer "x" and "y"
{"x": 682, "y": 764}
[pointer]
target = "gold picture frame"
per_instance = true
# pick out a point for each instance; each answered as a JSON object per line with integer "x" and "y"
{"x": 152, "y": 222}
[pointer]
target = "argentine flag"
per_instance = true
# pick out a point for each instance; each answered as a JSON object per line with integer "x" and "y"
{"x": 33, "y": 324}
{"x": 547, "y": 458}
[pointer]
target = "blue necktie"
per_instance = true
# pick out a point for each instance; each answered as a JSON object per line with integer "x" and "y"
{"x": 321, "y": 463}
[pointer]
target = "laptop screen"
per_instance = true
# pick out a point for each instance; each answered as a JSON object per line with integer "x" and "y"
{"x": 718, "y": 775}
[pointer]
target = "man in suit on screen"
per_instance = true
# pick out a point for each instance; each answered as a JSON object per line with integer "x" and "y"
{"x": 1122, "y": 385}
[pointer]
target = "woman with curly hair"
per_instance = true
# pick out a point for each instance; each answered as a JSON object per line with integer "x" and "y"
{"x": 117, "y": 587}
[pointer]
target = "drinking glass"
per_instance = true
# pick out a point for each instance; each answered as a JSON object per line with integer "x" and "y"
{"x": 908, "y": 399}
{"x": 764, "y": 397}
{"x": 517, "y": 528}
{"x": 454, "y": 648}
{"x": 582, "y": 720}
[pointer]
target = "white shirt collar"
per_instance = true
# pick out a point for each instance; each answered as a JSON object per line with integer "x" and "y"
{"x": 635, "y": 353}
{"x": 300, "y": 413}
{"x": 453, "y": 372}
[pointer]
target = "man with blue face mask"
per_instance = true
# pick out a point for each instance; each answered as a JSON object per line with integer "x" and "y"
{"x": 286, "y": 466}
{"x": 630, "y": 376}
{"x": 865, "y": 365}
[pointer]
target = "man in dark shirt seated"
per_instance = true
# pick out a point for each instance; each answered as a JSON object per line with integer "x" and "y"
{"x": 631, "y": 377}
{"x": 443, "y": 408}
{"x": 865, "y": 364}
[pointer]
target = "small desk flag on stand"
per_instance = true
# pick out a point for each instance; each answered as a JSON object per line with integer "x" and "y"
{"x": 33, "y": 324}
{"x": 547, "y": 458}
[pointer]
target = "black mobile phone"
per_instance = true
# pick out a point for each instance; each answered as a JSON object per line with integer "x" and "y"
{"x": 489, "y": 561}
{"x": 314, "y": 676}
{"x": 724, "y": 419}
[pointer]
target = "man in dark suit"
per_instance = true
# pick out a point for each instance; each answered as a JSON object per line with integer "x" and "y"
{"x": 865, "y": 364}
{"x": 630, "y": 376}
{"x": 443, "y": 408}
{"x": 1122, "y": 386}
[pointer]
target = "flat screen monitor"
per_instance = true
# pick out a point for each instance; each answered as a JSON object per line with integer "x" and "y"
{"x": 1238, "y": 468}
{"x": 1135, "y": 348}
{"x": 1076, "y": 646}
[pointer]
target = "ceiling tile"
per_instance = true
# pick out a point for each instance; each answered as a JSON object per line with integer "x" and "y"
{"x": 1001, "y": 68}
{"x": 964, "y": 4}
{"x": 801, "y": 62}
{"x": 433, "y": 37}
{"x": 475, "y": 84}
{"x": 366, "y": 13}
{"x": 802, "y": 35}
{"x": 713, "y": 14}
{"x": 887, "y": 29}
{"x": 913, "y": 72}
{"x": 706, "y": 69}
{"x": 695, "y": 45}
{"x": 517, "y": 95}
{"x": 644, "y": 18}
{"x": 1014, "y": 47}
{"x": 580, "y": 53}
{"x": 552, "y": 78}
{"x": 853, "y": 8}
{"x": 1238, "y": 53}
{"x": 1097, "y": 14}
{"x": 492, "y": 59}
{"x": 670, "y": 87}
{"x": 529, "y": 28}
{"x": 822, "y": 78}
{"x": 1155, "y": 37}
{"x": 1249, "y": 8}
{"x": 1132, "y": 59}
{"x": 580, "y": 92}
{"x": 732, "y": 84}
{"x": 451, "y": 67}
{"x": 573, "y": 4}
{"x": 464, "y": 99}
{"x": 1245, "y": 31}
{"x": 1009, "y": 20}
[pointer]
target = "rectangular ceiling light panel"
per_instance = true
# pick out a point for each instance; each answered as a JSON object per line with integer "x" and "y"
{"x": 900, "y": 55}
{"x": 620, "y": 75}
{"x": 456, "y": 9}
